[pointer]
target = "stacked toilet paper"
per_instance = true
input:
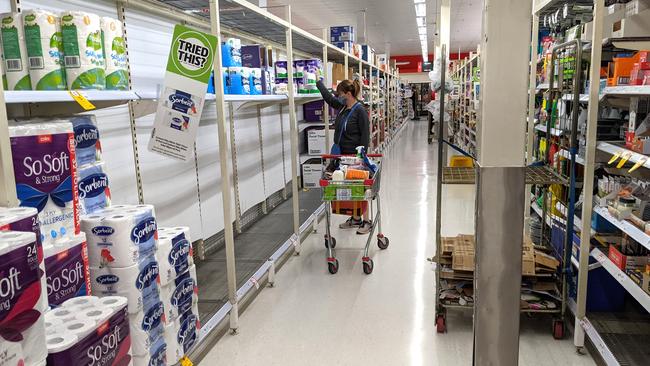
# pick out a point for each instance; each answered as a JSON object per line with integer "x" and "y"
{"x": 179, "y": 290}
{"x": 122, "y": 248}
{"x": 89, "y": 331}
{"x": 88, "y": 147}
{"x": 15, "y": 52}
{"x": 66, "y": 267}
{"x": 231, "y": 53}
{"x": 21, "y": 314}
{"x": 44, "y": 45}
{"x": 117, "y": 75}
{"x": 43, "y": 156}
{"x": 83, "y": 50}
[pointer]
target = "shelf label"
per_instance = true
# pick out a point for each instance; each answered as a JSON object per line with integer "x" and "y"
{"x": 189, "y": 67}
{"x": 185, "y": 361}
{"x": 81, "y": 100}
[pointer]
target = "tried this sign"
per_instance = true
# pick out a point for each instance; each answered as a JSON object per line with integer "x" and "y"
{"x": 186, "y": 81}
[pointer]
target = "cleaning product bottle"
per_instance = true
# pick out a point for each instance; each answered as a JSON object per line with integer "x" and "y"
{"x": 361, "y": 154}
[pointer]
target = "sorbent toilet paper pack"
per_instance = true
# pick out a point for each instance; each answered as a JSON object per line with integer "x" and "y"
{"x": 88, "y": 148}
{"x": 94, "y": 193}
{"x": 66, "y": 266}
{"x": 180, "y": 295}
{"x": 15, "y": 52}
{"x": 157, "y": 355}
{"x": 182, "y": 102}
{"x": 174, "y": 254}
{"x": 21, "y": 314}
{"x": 44, "y": 45}
{"x": 117, "y": 76}
{"x": 147, "y": 327}
{"x": 83, "y": 50}
{"x": 84, "y": 302}
{"x": 43, "y": 154}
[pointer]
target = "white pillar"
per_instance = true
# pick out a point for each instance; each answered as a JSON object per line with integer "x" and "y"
{"x": 501, "y": 180}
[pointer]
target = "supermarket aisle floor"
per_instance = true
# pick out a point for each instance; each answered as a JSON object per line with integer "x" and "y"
{"x": 387, "y": 318}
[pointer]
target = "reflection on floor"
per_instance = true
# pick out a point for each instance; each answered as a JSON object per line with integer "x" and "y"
{"x": 253, "y": 247}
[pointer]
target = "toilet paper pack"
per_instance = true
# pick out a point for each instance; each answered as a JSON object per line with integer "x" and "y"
{"x": 147, "y": 327}
{"x": 157, "y": 355}
{"x": 117, "y": 75}
{"x": 182, "y": 102}
{"x": 94, "y": 193}
{"x": 256, "y": 81}
{"x": 178, "y": 120}
{"x": 11, "y": 354}
{"x": 15, "y": 52}
{"x": 180, "y": 295}
{"x": 44, "y": 168}
{"x": 138, "y": 283}
{"x": 83, "y": 50}
{"x": 44, "y": 45}
{"x": 21, "y": 310}
{"x": 188, "y": 331}
{"x": 231, "y": 53}
{"x": 175, "y": 254}
{"x": 88, "y": 148}
{"x": 66, "y": 266}
{"x": 121, "y": 238}
{"x": 281, "y": 70}
{"x": 99, "y": 336}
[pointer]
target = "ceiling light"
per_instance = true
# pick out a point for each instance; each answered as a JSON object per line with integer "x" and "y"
{"x": 422, "y": 21}
{"x": 419, "y": 1}
{"x": 423, "y": 38}
{"x": 421, "y": 10}
{"x": 422, "y": 30}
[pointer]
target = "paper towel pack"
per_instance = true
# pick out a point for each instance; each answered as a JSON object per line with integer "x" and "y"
{"x": 99, "y": 335}
{"x": 117, "y": 76}
{"x": 83, "y": 50}
{"x": 120, "y": 238}
{"x": 66, "y": 266}
{"x": 15, "y": 52}
{"x": 147, "y": 327}
{"x": 44, "y": 45}
{"x": 43, "y": 156}
{"x": 180, "y": 295}
{"x": 94, "y": 193}
{"x": 231, "y": 53}
{"x": 21, "y": 314}
{"x": 138, "y": 283}
{"x": 175, "y": 254}
{"x": 88, "y": 148}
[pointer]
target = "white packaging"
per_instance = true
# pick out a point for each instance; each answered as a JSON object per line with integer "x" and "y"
{"x": 44, "y": 45}
{"x": 66, "y": 269}
{"x": 147, "y": 327}
{"x": 44, "y": 173}
{"x": 83, "y": 50}
{"x": 21, "y": 293}
{"x": 137, "y": 283}
{"x": 312, "y": 173}
{"x": 174, "y": 254}
{"x": 316, "y": 141}
{"x": 636, "y": 6}
{"x": 93, "y": 188}
{"x": 120, "y": 238}
{"x": 156, "y": 355}
{"x": 61, "y": 341}
{"x": 62, "y": 315}
{"x": 81, "y": 302}
{"x": 174, "y": 350}
{"x": 117, "y": 74}
{"x": 180, "y": 295}
{"x": 113, "y": 302}
{"x": 15, "y": 52}
{"x": 11, "y": 354}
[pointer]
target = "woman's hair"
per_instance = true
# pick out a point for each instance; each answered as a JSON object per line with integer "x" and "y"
{"x": 348, "y": 86}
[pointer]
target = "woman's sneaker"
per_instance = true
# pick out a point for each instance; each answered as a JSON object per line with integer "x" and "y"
{"x": 364, "y": 228}
{"x": 351, "y": 223}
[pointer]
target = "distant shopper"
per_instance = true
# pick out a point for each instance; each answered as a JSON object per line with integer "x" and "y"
{"x": 414, "y": 99}
{"x": 352, "y": 130}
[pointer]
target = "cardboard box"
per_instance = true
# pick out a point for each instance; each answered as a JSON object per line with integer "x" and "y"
{"x": 312, "y": 172}
{"x": 254, "y": 56}
{"x": 463, "y": 254}
{"x": 313, "y": 111}
{"x": 337, "y": 75}
{"x": 636, "y": 6}
{"x": 342, "y": 34}
{"x": 448, "y": 245}
{"x": 316, "y": 141}
{"x": 349, "y": 208}
{"x": 633, "y": 26}
{"x": 344, "y": 45}
{"x": 368, "y": 54}
{"x": 626, "y": 262}
{"x": 544, "y": 260}
{"x": 645, "y": 285}
{"x": 528, "y": 258}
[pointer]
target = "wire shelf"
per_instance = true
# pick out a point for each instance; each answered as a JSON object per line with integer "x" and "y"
{"x": 538, "y": 175}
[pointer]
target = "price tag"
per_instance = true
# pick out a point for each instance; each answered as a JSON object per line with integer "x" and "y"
{"x": 185, "y": 361}
{"x": 614, "y": 158}
{"x": 343, "y": 194}
{"x": 255, "y": 283}
{"x": 638, "y": 164}
{"x": 624, "y": 160}
{"x": 81, "y": 100}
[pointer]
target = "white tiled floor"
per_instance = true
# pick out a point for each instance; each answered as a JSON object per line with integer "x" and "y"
{"x": 387, "y": 318}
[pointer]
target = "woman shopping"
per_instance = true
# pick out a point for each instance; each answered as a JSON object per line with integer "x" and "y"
{"x": 352, "y": 130}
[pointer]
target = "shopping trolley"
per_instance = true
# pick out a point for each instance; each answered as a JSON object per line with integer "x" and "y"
{"x": 362, "y": 193}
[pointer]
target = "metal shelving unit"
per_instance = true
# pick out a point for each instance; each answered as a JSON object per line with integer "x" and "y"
{"x": 242, "y": 19}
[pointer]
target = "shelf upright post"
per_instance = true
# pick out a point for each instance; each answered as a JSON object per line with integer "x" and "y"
{"x": 532, "y": 89}
{"x": 293, "y": 133}
{"x": 121, "y": 14}
{"x": 500, "y": 183}
{"x": 589, "y": 164}
{"x": 373, "y": 127}
{"x": 346, "y": 65}
{"x": 8, "y": 196}
{"x": 326, "y": 108}
{"x": 215, "y": 26}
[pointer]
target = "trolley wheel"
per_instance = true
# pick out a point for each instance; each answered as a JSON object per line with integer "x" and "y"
{"x": 382, "y": 242}
{"x": 333, "y": 267}
{"x": 368, "y": 266}
{"x": 558, "y": 328}
{"x": 327, "y": 242}
{"x": 441, "y": 324}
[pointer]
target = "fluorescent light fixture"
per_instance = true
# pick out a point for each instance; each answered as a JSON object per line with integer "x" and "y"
{"x": 419, "y": 1}
{"x": 423, "y": 38}
{"x": 421, "y": 10}
{"x": 422, "y": 30}
{"x": 422, "y": 21}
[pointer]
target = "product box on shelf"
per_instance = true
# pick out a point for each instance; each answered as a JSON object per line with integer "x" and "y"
{"x": 344, "y": 45}
{"x": 316, "y": 141}
{"x": 645, "y": 285}
{"x": 368, "y": 54}
{"x": 636, "y": 6}
{"x": 625, "y": 262}
{"x": 312, "y": 172}
{"x": 633, "y": 26}
{"x": 342, "y": 34}
{"x": 254, "y": 56}
{"x": 313, "y": 111}
{"x": 528, "y": 258}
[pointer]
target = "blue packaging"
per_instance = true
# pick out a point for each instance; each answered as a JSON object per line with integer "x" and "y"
{"x": 226, "y": 82}
{"x": 211, "y": 87}
{"x": 256, "y": 82}
{"x": 231, "y": 53}
{"x": 180, "y": 295}
{"x": 236, "y": 80}
{"x": 188, "y": 333}
{"x": 86, "y": 137}
{"x": 342, "y": 33}
{"x": 344, "y": 45}
{"x": 147, "y": 330}
{"x": 157, "y": 355}
{"x": 94, "y": 193}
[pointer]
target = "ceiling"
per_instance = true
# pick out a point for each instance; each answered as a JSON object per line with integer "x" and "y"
{"x": 389, "y": 21}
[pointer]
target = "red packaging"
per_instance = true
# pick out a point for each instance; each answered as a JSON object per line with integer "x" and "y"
{"x": 618, "y": 258}
{"x": 629, "y": 139}
{"x": 644, "y": 56}
{"x": 644, "y": 65}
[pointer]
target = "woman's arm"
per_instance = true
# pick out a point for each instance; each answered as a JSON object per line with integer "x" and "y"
{"x": 328, "y": 97}
{"x": 364, "y": 125}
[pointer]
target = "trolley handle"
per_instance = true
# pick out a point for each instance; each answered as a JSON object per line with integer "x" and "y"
{"x": 330, "y": 156}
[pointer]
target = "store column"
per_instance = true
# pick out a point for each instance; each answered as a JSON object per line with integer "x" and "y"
{"x": 500, "y": 193}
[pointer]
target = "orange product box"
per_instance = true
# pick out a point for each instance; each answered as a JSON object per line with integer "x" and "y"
{"x": 619, "y": 71}
{"x": 349, "y": 208}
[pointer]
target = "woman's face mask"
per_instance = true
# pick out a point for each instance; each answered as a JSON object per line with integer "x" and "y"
{"x": 341, "y": 98}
